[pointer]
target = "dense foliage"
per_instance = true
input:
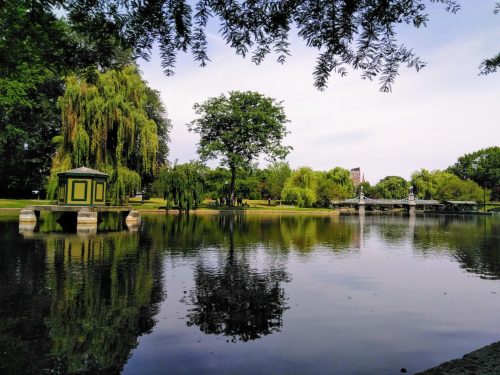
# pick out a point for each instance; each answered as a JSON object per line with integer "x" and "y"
{"x": 182, "y": 185}
{"x": 445, "y": 186}
{"x": 105, "y": 126}
{"x": 238, "y": 128}
{"x": 305, "y": 187}
{"x": 37, "y": 49}
{"x": 301, "y": 187}
{"x": 392, "y": 187}
{"x": 482, "y": 167}
{"x": 276, "y": 175}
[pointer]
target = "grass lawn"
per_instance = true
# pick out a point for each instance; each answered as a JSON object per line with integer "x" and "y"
{"x": 155, "y": 204}
{"x": 209, "y": 205}
{"x": 21, "y": 203}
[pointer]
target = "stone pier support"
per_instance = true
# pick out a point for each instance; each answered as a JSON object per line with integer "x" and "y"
{"x": 361, "y": 206}
{"x": 133, "y": 218}
{"x": 412, "y": 205}
{"x": 86, "y": 218}
{"x": 28, "y": 219}
{"x": 86, "y": 221}
{"x": 28, "y": 216}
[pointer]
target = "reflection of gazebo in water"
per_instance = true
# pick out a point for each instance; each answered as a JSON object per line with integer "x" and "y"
{"x": 75, "y": 311}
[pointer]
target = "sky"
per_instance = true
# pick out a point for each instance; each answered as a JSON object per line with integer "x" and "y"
{"x": 430, "y": 119}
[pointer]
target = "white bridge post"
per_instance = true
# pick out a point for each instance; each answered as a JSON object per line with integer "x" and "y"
{"x": 361, "y": 205}
{"x": 412, "y": 205}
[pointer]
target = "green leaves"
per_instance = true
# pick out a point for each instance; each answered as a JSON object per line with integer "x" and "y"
{"x": 482, "y": 167}
{"x": 360, "y": 35}
{"x": 238, "y": 128}
{"x": 182, "y": 184}
{"x": 443, "y": 186}
{"x": 37, "y": 50}
{"x": 105, "y": 125}
{"x": 277, "y": 174}
{"x": 392, "y": 187}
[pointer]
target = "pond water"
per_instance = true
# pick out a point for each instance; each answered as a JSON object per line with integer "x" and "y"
{"x": 249, "y": 294}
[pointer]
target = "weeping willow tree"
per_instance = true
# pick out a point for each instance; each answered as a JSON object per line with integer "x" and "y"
{"x": 181, "y": 185}
{"x": 105, "y": 126}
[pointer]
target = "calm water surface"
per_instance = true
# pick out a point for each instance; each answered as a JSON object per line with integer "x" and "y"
{"x": 249, "y": 295}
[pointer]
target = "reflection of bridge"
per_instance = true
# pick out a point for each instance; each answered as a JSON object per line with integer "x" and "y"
{"x": 411, "y": 202}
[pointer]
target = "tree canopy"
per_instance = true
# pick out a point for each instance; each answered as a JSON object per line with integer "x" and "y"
{"x": 182, "y": 184}
{"x": 238, "y": 128}
{"x": 392, "y": 187}
{"x": 105, "y": 126}
{"x": 301, "y": 187}
{"x": 444, "y": 186}
{"x": 276, "y": 175}
{"x": 482, "y": 167}
{"x": 360, "y": 35}
{"x": 37, "y": 49}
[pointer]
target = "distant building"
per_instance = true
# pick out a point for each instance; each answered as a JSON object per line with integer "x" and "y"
{"x": 356, "y": 176}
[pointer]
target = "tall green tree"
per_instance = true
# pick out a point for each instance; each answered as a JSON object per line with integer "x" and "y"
{"x": 238, "y": 128}
{"x": 217, "y": 182}
{"x": 156, "y": 111}
{"x": 301, "y": 187}
{"x": 276, "y": 175}
{"x": 182, "y": 185}
{"x": 105, "y": 126}
{"x": 360, "y": 35}
{"x": 37, "y": 49}
{"x": 424, "y": 184}
{"x": 482, "y": 167}
{"x": 444, "y": 186}
{"x": 392, "y": 187}
{"x": 335, "y": 184}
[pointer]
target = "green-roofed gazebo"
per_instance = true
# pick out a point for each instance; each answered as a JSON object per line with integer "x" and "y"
{"x": 82, "y": 187}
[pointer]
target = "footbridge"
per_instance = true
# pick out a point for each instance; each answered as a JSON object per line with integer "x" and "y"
{"x": 410, "y": 202}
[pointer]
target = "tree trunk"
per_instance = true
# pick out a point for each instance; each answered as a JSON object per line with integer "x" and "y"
{"x": 232, "y": 186}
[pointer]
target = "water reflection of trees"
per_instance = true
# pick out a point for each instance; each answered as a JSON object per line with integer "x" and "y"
{"x": 233, "y": 298}
{"x": 24, "y": 301}
{"x": 278, "y": 233}
{"x": 473, "y": 240}
{"x": 88, "y": 299}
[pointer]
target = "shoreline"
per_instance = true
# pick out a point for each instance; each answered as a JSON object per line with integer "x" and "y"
{"x": 483, "y": 361}
{"x": 266, "y": 211}
{"x": 204, "y": 211}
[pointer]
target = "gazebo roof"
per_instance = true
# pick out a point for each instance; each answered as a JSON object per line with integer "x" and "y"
{"x": 83, "y": 172}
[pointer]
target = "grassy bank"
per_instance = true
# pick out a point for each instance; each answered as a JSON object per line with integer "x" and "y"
{"x": 257, "y": 206}
{"x": 21, "y": 203}
{"x": 208, "y": 206}
{"x": 158, "y": 205}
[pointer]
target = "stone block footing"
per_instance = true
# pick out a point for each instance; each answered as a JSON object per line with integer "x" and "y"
{"x": 86, "y": 218}
{"x": 133, "y": 217}
{"x": 27, "y": 216}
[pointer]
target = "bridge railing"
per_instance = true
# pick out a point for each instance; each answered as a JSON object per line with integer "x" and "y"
{"x": 372, "y": 201}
